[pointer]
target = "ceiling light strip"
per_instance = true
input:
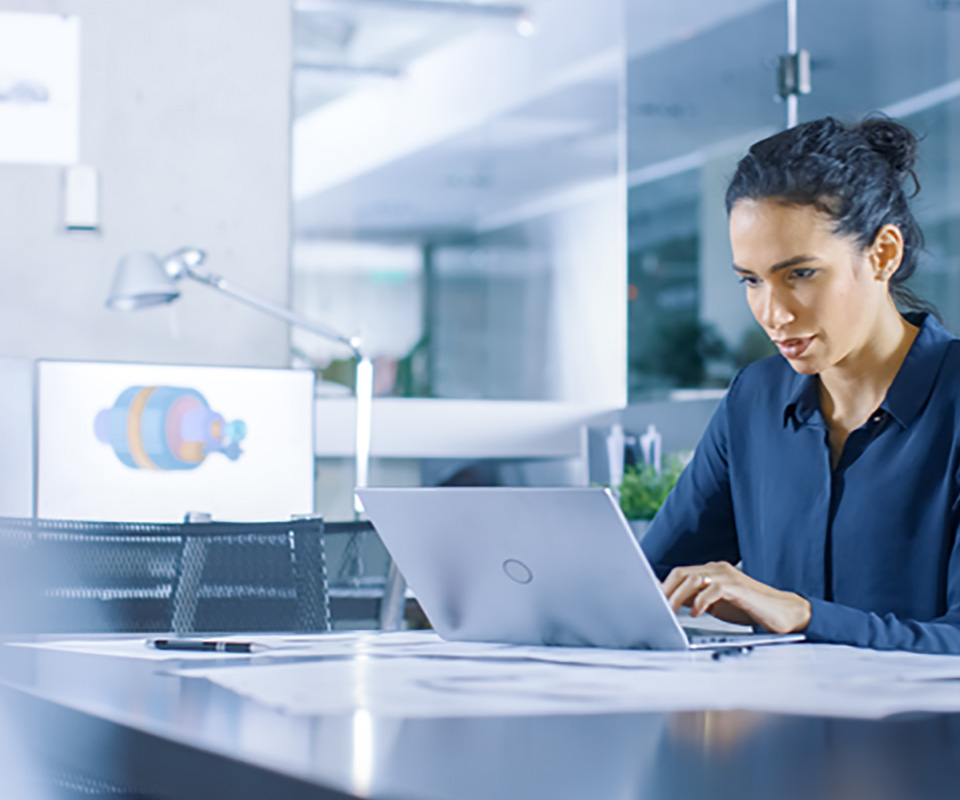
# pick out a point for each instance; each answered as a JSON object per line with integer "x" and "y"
{"x": 924, "y": 100}
{"x": 348, "y": 70}
{"x": 452, "y": 7}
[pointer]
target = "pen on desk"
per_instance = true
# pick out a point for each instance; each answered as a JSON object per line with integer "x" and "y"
{"x": 204, "y": 645}
{"x": 741, "y": 650}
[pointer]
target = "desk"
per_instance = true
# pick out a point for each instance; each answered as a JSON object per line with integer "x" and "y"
{"x": 138, "y": 723}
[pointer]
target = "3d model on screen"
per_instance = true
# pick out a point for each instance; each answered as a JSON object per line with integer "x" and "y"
{"x": 167, "y": 428}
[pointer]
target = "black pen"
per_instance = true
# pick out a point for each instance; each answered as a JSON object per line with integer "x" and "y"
{"x": 741, "y": 650}
{"x": 204, "y": 645}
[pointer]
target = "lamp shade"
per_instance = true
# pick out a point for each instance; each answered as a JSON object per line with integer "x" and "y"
{"x": 140, "y": 282}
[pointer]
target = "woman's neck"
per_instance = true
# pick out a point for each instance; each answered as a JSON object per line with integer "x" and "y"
{"x": 851, "y": 390}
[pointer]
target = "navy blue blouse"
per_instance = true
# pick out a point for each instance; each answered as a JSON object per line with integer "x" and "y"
{"x": 872, "y": 543}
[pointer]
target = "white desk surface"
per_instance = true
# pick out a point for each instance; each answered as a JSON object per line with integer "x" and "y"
{"x": 403, "y": 716}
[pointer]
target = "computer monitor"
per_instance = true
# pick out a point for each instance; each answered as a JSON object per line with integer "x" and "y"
{"x": 152, "y": 442}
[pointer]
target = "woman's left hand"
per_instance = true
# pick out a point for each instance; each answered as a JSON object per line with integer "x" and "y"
{"x": 724, "y": 591}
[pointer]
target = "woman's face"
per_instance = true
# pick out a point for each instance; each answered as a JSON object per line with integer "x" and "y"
{"x": 815, "y": 293}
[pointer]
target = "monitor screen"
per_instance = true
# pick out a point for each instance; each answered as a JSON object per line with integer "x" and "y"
{"x": 146, "y": 442}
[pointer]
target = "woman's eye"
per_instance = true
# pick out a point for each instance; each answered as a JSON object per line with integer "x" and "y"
{"x": 750, "y": 280}
{"x": 803, "y": 273}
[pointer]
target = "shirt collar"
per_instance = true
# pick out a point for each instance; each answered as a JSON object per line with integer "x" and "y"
{"x": 910, "y": 388}
{"x": 804, "y": 399}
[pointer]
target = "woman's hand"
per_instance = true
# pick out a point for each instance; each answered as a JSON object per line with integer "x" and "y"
{"x": 724, "y": 591}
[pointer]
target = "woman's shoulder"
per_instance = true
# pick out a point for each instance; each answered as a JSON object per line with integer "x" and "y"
{"x": 928, "y": 383}
{"x": 951, "y": 359}
{"x": 938, "y": 350}
{"x": 948, "y": 376}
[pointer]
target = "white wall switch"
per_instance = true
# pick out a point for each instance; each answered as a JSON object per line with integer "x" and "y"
{"x": 81, "y": 199}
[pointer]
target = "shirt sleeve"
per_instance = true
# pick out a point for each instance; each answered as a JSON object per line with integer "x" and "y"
{"x": 696, "y": 524}
{"x": 840, "y": 624}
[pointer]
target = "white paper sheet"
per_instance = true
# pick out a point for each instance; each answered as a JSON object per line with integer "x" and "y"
{"x": 138, "y": 647}
{"x": 418, "y": 675}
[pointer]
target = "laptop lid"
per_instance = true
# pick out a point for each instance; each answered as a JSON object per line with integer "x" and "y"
{"x": 544, "y": 566}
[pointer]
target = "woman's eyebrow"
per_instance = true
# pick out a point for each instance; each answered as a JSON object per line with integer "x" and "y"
{"x": 790, "y": 262}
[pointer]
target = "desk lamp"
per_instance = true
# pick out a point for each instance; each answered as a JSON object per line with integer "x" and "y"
{"x": 142, "y": 280}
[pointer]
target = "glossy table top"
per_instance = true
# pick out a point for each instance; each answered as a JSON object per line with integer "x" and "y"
{"x": 726, "y": 754}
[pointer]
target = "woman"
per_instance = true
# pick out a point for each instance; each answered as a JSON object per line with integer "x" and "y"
{"x": 831, "y": 470}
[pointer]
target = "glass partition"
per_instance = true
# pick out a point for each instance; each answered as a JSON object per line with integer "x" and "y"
{"x": 698, "y": 94}
{"x": 699, "y": 89}
{"x": 900, "y": 59}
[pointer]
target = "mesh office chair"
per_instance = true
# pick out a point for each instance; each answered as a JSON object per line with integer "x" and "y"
{"x": 182, "y": 577}
{"x": 60, "y": 576}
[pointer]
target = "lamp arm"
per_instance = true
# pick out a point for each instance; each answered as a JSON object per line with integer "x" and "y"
{"x": 274, "y": 309}
{"x": 364, "y": 377}
{"x": 187, "y": 262}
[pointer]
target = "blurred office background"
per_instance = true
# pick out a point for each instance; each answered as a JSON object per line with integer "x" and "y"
{"x": 527, "y": 202}
{"x": 517, "y": 206}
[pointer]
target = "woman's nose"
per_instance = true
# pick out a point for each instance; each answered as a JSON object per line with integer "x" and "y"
{"x": 774, "y": 311}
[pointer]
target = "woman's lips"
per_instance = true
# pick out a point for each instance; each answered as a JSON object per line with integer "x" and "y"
{"x": 793, "y": 348}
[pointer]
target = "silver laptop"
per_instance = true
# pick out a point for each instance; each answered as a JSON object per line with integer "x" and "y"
{"x": 533, "y": 566}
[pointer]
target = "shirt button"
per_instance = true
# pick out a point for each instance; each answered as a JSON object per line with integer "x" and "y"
{"x": 877, "y": 417}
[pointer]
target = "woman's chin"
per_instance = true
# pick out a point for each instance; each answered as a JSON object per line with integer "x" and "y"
{"x": 806, "y": 366}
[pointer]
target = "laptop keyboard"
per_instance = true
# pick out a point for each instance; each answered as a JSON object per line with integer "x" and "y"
{"x": 705, "y": 636}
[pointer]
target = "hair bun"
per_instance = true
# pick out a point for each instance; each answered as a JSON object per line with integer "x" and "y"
{"x": 893, "y": 141}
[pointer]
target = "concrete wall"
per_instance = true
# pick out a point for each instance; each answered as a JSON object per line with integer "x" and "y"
{"x": 537, "y": 311}
{"x": 185, "y": 114}
{"x": 588, "y": 334}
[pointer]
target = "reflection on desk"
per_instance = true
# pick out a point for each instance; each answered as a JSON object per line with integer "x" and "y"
{"x": 171, "y": 731}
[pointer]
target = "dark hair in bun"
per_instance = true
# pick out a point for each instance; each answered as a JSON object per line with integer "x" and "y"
{"x": 894, "y": 142}
{"x": 853, "y": 173}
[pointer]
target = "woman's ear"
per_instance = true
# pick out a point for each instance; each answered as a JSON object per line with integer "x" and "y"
{"x": 886, "y": 252}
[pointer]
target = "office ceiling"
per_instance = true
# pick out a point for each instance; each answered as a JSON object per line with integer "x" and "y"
{"x": 705, "y": 93}
{"x": 443, "y": 192}
{"x": 342, "y": 46}
{"x": 562, "y": 139}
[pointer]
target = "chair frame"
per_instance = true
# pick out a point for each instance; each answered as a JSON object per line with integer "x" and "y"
{"x": 306, "y": 547}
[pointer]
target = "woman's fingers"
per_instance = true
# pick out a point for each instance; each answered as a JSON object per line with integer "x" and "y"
{"x": 674, "y": 579}
{"x": 687, "y": 589}
{"x": 706, "y": 599}
{"x": 679, "y": 574}
{"x": 727, "y": 593}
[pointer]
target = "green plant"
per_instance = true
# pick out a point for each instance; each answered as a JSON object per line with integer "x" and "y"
{"x": 644, "y": 489}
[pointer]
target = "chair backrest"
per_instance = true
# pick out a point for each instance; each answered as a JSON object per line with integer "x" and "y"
{"x": 183, "y": 577}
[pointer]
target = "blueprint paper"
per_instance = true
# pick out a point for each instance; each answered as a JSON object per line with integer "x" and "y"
{"x": 418, "y": 675}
